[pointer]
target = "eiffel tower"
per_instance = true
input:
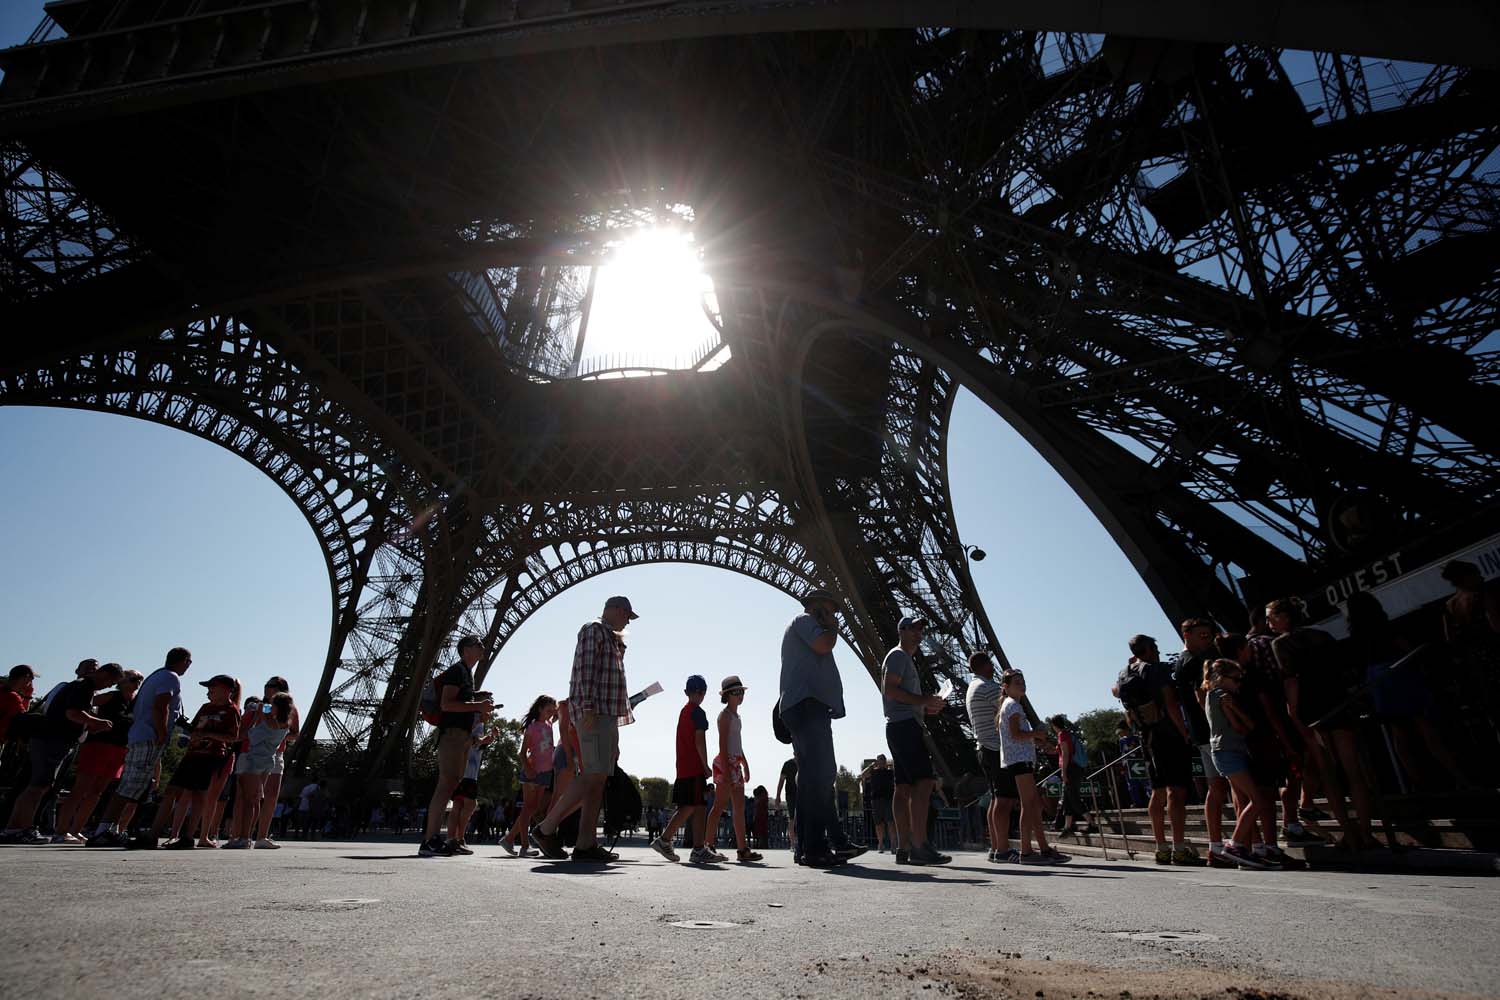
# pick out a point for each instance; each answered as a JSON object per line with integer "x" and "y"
{"x": 1235, "y": 280}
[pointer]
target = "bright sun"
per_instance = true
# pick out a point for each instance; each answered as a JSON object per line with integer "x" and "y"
{"x": 649, "y": 304}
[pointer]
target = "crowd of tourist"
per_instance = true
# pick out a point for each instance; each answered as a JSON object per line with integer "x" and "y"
{"x": 1269, "y": 715}
{"x": 115, "y": 726}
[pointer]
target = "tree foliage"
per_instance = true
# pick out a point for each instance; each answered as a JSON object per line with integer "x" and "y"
{"x": 655, "y": 792}
{"x": 1098, "y": 727}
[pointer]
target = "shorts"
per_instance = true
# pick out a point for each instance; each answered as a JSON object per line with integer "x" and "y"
{"x": 140, "y": 769}
{"x": 727, "y": 772}
{"x": 688, "y": 792}
{"x": 1210, "y": 770}
{"x": 598, "y": 747}
{"x": 47, "y": 756}
{"x": 1227, "y": 762}
{"x": 791, "y": 802}
{"x": 542, "y": 780}
{"x": 453, "y": 753}
{"x": 1002, "y": 783}
{"x": 880, "y": 810}
{"x": 910, "y": 762}
{"x": 559, "y": 760}
{"x": 1020, "y": 767}
{"x": 102, "y": 760}
{"x": 1168, "y": 758}
{"x": 255, "y": 763}
{"x": 468, "y": 788}
{"x": 196, "y": 772}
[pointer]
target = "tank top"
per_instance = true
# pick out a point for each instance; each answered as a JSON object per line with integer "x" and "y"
{"x": 541, "y": 733}
{"x": 734, "y": 748}
{"x": 264, "y": 739}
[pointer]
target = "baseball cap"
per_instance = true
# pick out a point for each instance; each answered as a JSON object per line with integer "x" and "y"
{"x": 910, "y": 622}
{"x": 817, "y": 595}
{"x": 696, "y": 683}
{"x": 622, "y": 602}
{"x": 223, "y": 679}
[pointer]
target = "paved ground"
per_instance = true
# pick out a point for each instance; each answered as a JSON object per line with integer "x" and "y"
{"x": 336, "y": 920}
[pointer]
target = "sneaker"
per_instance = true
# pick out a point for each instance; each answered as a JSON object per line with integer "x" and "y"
{"x": 925, "y": 855}
{"x": 1057, "y": 857}
{"x": 456, "y": 847}
{"x": 1284, "y": 860}
{"x": 720, "y": 858}
{"x": 1313, "y": 815}
{"x": 595, "y": 854}
{"x": 509, "y": 848}
{"x": 267, "y": 844}
{"x": 1010, "y": 857}
{"x": 436, "y": 847}
{"x": 664, "y": 849}
{"x": 527, "y": 852}
{"x": 1218, "y": 859}
{"x": 1035, "y": 858}
{"x": 1187, "y": 857}
{"x": 1263, "y": 854}
{"x": 30, "y": 836}
{"x": 109, "y": 838}
{"x": 991, "y": 855}
{"x": 1164, "y": 855}
{"x": 549, "y": 844}
{"x": 748, "y": 855}
{"x": 60, "y": 838}
{"x": 181, "y": 844}
{"x": 701, "y": 856}
{"x": 1300, "y": 836}
{"x": 850, "y": 851}
{"x": 1243, "y": 857}
{"x": 237, "y": 844}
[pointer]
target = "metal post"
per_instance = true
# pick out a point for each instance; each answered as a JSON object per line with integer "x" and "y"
{"x": 1114, "y": 781}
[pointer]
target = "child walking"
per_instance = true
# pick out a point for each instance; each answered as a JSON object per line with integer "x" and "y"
{"x": 1228, "y": 725}
{"x": 536, "y": 772}
{"x": 731, "y": 770}
{"x": 692, "y": 777}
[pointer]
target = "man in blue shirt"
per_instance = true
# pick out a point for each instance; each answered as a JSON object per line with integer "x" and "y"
{"x": 812, "y": 696}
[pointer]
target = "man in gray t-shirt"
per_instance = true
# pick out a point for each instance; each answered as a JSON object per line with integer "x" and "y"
{"x": 901, "y": 690}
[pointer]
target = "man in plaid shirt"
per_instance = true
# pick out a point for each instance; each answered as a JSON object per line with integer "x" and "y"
{"x": 599, "y": 705}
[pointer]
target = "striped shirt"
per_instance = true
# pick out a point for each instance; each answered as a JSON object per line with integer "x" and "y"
{"x": 598, "y": 681}
{"x": 983, "y": 702}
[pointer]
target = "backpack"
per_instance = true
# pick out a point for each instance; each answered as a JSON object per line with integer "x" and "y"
{"x": 1137, "y": 695}
{"x": 1080, "y": 749}
{"x": 778, "y": 724}
{"x": 622, "y": 804}
{"x": 432, "y": 700}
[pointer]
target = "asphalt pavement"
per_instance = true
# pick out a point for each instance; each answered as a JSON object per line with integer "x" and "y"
{"x": 334, "y": 919}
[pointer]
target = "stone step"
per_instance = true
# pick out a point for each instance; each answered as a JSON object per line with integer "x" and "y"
{"x": 1141, "y": 849}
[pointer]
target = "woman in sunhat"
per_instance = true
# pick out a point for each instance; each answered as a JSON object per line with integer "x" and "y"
{"x": 731, "y": 770}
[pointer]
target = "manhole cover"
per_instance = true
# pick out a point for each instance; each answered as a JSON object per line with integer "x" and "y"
{"x": 1169, "y": 936}
{"x": 703, "y": 925}
{"x": 351, "y": 901}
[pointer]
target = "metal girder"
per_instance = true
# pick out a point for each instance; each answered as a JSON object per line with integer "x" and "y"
{"x": 1087, "y": 233}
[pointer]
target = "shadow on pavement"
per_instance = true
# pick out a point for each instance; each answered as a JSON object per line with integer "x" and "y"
{"x": 576, "y": 868}
{"x": 886, "y": 875}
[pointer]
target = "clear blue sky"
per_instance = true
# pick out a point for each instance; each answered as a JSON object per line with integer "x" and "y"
{"x": 124, "y": 538}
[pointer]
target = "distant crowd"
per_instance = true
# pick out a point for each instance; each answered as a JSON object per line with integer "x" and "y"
{"x": 1271, "y": 715}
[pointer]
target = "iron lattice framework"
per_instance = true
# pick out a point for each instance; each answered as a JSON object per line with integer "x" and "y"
{"x": 1231, "y": 292}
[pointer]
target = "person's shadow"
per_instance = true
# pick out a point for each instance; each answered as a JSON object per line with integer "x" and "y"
{"x": 887, "y": 875}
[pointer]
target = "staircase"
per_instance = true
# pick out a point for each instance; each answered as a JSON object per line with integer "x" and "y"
{"x": 1447, "y": 832}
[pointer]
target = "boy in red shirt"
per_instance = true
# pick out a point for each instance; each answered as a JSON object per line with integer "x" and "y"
{"x": 216, "y": 728}
{"x": 692, "y": 776}
{"x": 15, "y": 697}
